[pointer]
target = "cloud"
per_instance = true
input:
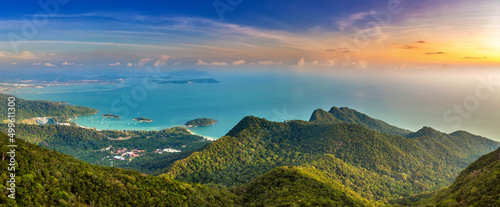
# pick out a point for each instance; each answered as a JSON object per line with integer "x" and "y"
{"x": 66, "y": 63}
{"x": 49, "y": 64}
{"x": 301, "y": 62}
{"x": 163, "y": 60}
{"x": 22, "y": 55}
{"x": 239, "y": 62}
{"x": 201, "y": 62}
{"x": 14, "y": 63}
{"x": 314, "y": 63}
{"x": 344, "y": 23}
{"x": 269, "y": 62}
{"x": 177, "y": 63}
{"x": 38, "y": 63}
{"x": 331, "y": 50}
{"x": 143, "y": 61}
{"x": 409, "y": 47}
{"x": 421, "y": 41}
{"x": 114, "y": 64}
{"x": 129, "y": 64}
{"x": 435, "y": 53}
{"x": 475, "y": 58}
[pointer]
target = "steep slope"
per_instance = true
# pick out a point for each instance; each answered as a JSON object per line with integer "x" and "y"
{"x": 477, "y": 185}
{"x": 298, "y": 186}
{"x": 344, "y": 114}
{"x": 48, "y": 178}
{"x": 255, "y": 146}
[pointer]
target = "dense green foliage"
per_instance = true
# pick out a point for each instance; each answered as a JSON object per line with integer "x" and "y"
{"x": 477, "y": 185}
{"x": 377, "y": 165}
{"x": 298, "y": 186}
{"x": 86, "y": 144}
{"x": 49, "y": 178}
{"x": 344, "y": 114}
{"x": 200, "y": 122}
{"x": 29, "y": 109}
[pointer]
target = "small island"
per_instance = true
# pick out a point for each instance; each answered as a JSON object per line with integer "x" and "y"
{"x": 112, "y": 116}
{"x": 142, "y": 119}
{"x": 200, "y": 122}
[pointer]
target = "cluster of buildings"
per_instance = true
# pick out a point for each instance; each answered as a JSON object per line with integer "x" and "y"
{"x": 124, "y": 153}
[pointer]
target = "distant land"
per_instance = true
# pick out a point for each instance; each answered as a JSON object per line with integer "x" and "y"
{"x": 112, "y": 116}
{"x": 205, "y": 80}
{"x": 142, "y": 119}
{"x": 200, "y": 122}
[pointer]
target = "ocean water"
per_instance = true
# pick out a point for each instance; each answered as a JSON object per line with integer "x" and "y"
{"x": 407, "y": 101}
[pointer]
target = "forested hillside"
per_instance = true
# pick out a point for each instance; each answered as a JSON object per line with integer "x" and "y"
{"x": 37, "y": 108}
{"x": 87, "y": 144}
{"x": 394, "y": 166}
{"x": 48, "y": 178}
{"x": 344, "y": 114}
{"x": 477, "y": 185}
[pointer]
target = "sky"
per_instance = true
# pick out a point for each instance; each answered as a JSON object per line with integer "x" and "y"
{"x": 323, "y": 34}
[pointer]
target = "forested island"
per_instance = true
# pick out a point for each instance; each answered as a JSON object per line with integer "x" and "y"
{"x": 112, "y": 116}
{"x": 142, "y": 119}
{"x": 26, "y": 109}
{"x": 200, "y": 122}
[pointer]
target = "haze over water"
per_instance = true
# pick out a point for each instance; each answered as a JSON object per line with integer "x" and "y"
{"x": 409, "y": 100}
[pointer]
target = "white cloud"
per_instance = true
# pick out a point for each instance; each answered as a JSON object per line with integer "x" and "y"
{"x": 177, "y": 63}
{"x": 269, "y": 62}
{"x": 22, "y": 55}
{"x": 201, "y": 62}
{"x": 239, "y": 62}
{"x": 314, "y": 63}
{"x": 49, "y": 64}
{"x": 38, "y": 63}
{"x": 344, "y": 23}
{"x": 129, "y": 64}
{"x": 14, "y": 63}
{"x": 163, "y": 60}
{"x": 114, "y": 64}
{"x": 301, "y": 62}
{"x": 66, "y": 63}
{"x": 143, "y": 61}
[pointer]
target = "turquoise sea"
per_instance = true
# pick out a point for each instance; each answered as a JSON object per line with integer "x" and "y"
{"x": 406, "y": 101}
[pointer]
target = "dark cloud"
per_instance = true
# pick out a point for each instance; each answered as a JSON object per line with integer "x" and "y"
{"x": 421, "y": 41}
{"x": 435, "y": 53}
{"x": 475, "y": 58}
{"x": 331, "y": 50}
{"x": 409, "y": 47}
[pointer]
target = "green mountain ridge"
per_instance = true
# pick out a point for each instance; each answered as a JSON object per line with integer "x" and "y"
{"x": 49, "y": 178}
{"x": 411, "y": 165}
{"x": 477, "y": 185}
{"x": 38, "y": 108}
{"x": 344, "y": 114}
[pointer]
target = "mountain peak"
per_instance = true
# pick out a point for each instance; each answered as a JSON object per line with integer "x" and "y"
{"x": 345, "y": 114}
{"x": 425, "y": 131}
